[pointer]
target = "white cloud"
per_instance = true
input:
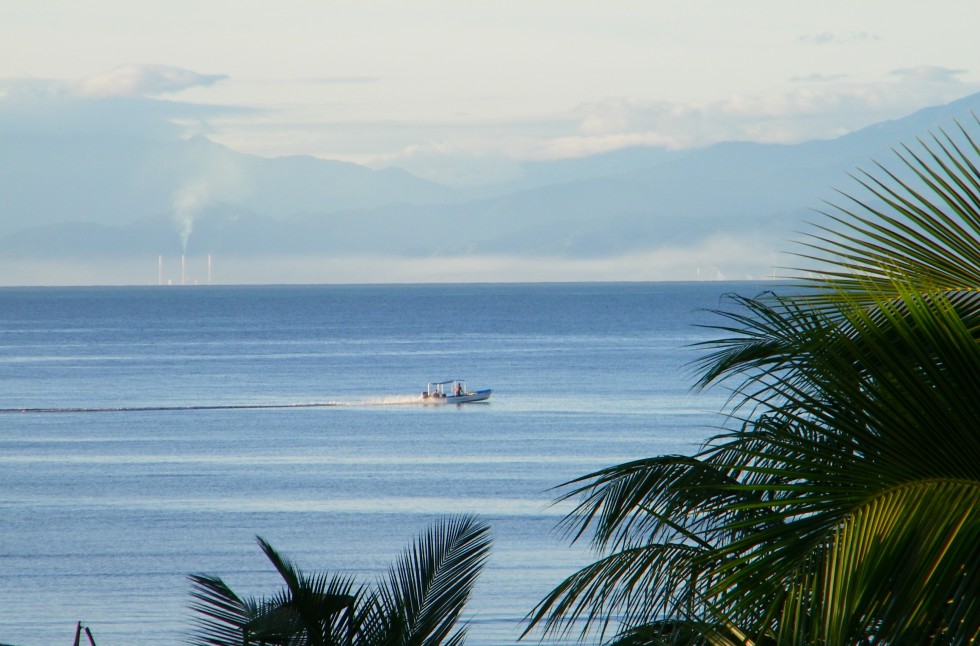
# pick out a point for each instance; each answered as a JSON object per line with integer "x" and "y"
{"x": 822, "y": 109}
{"x": 816, "y": 77}
{"x": 819, "y": 110}
{"x": 144, "y": 80}
{"x": 468, "y": 151}
{"x": 832, "y": 38}
{"x": 928, "y": 74}
{"x": 118, "y": 102}
{"x": 818, "y": 107}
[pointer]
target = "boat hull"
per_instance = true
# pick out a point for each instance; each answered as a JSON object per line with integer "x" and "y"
{"x": 465, "y": 398}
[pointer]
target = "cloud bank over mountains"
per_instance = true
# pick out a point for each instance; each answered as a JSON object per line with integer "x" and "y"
{"x": 124, "y": 81}
{"x": 132, "y": 100}
{"x": 101, "y": 181}
{"x": 145, "y": 80}
{"x": 146, "y": 98}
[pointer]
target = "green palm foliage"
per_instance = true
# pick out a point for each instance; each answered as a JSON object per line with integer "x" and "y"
{"x": 419, "y": 603}
{"x": 843, "y": 506}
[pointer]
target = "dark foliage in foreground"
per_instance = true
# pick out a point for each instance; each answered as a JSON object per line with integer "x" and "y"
{"x": 418, "y": 603}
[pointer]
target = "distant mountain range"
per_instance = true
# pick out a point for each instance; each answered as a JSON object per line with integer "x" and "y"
{"x": 71, "y": 200}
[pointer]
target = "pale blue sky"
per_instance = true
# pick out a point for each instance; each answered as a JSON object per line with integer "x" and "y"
{"x": 456, "y": 90}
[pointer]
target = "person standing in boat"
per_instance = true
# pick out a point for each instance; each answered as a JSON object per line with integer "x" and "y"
{"x": 459, "y": 389}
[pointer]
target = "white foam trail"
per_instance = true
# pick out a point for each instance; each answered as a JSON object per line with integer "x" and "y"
{"x": 388, "y": 400}
{"x": 383, "y": 400}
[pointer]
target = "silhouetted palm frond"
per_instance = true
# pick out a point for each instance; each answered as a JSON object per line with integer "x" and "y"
{"x": 420, "y": 602}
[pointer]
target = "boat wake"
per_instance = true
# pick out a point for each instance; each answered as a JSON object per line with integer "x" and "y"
{"x": 389, "y": 400}
{"x": 385, "y": 400}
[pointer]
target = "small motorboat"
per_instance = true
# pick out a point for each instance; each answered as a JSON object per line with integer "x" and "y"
{"x": 453, "y": 392}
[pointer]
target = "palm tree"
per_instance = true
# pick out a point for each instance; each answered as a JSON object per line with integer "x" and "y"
{"x": 843, "y": 507}
{"x": 418, "y": 603}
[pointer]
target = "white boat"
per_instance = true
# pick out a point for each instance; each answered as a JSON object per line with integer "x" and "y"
{"x": 453, "y": 392}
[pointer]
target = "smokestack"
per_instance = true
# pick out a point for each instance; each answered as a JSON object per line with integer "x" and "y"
{"x": 183, "y": 270}
{"x": 160, "y": 269}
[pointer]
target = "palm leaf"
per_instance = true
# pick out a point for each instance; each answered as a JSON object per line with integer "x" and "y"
{"x": 842, "y": 508}
{"x": 929, "y": 236}
{"x": 221, "y": 615}
{"x": 903, "y": 568}
{"x": 426, "y": 590}
{"x": 624, "y": 588}
{"x": 320, "y": 606}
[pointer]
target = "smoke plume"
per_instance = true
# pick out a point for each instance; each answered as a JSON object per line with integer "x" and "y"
{"x": 188, "y": 202}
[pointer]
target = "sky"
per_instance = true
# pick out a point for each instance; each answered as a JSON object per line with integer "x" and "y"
{"x": 461, "y": 91}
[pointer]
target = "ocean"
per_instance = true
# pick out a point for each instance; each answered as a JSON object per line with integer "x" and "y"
{"x": 148, "y": 433}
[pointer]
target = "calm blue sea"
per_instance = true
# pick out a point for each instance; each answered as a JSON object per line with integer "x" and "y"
{"x": 120, "y": 476}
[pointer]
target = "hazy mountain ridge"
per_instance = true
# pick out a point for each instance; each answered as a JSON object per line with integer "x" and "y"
{"x": 117, "y": 180}
{"x": 143, "y": 198}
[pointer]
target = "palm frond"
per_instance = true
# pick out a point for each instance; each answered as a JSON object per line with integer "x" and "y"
{"x": 842, "y": 508}
{"x": 686, "y": 632}
{"x": 902, "y": 568}
{"x": 221, "y": 614}
{"x": 429, "y": 585}
{"x": 321, "y": 607}
{"x": 927, "y": 235}
{"x": 624, "y": 588}
{"x": 637, "y": 498}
